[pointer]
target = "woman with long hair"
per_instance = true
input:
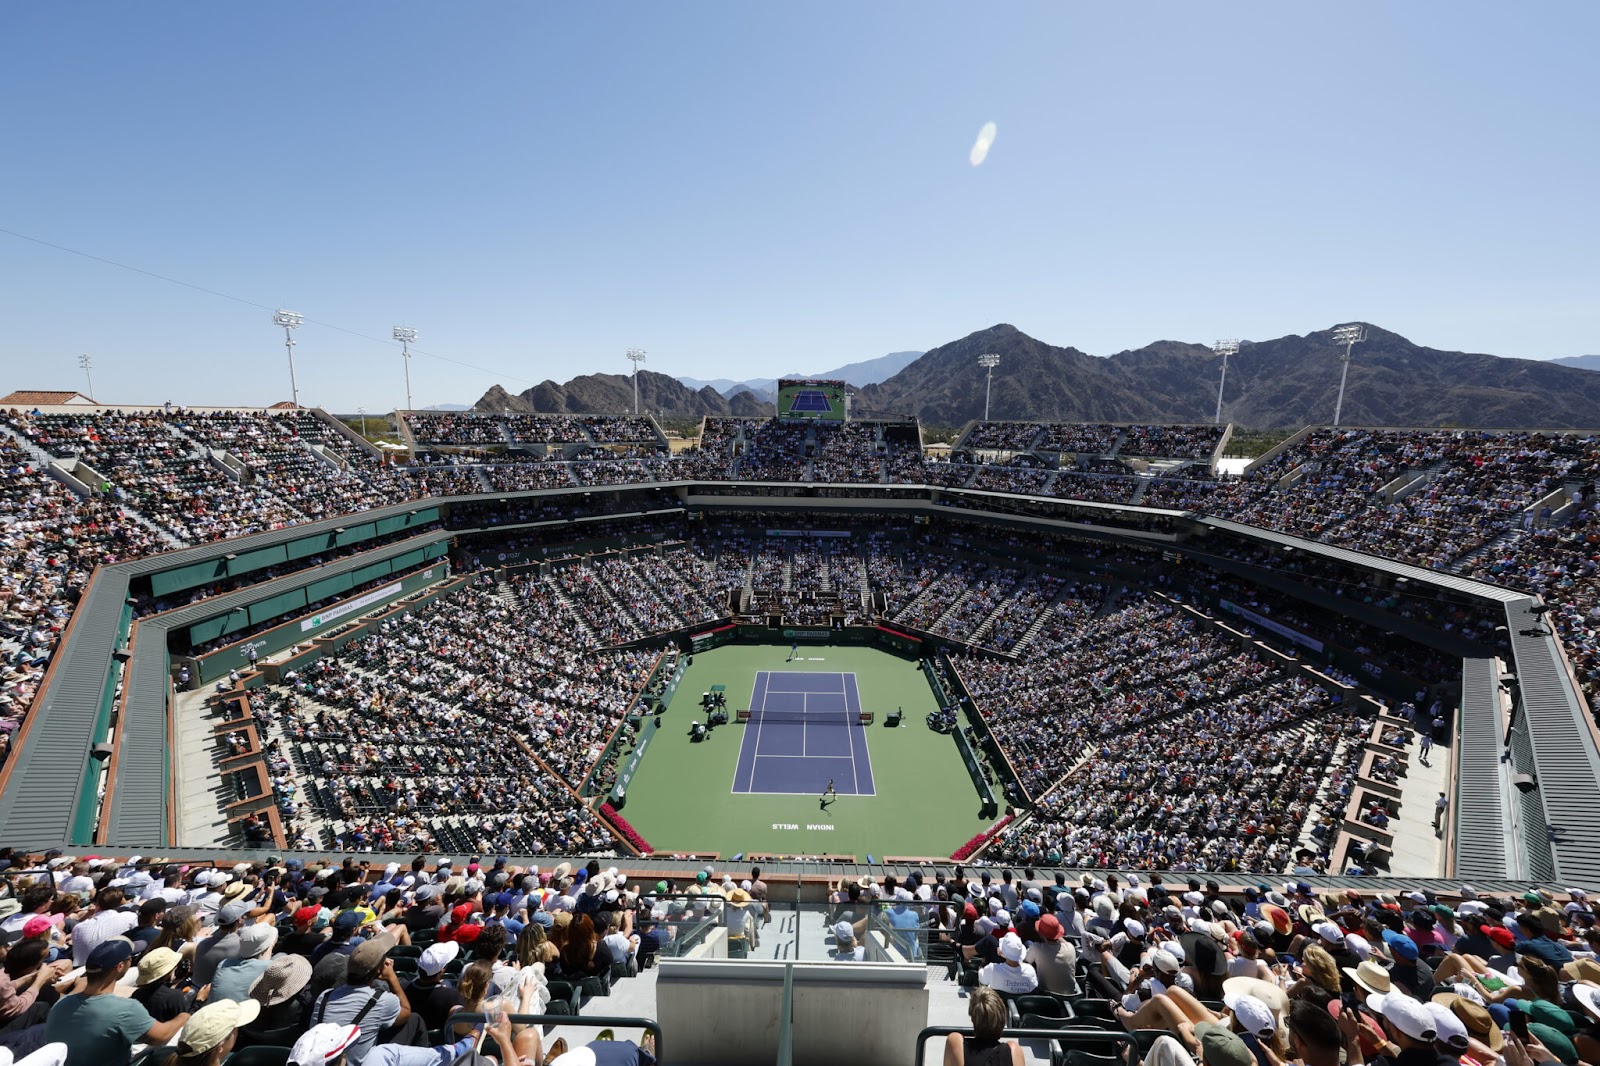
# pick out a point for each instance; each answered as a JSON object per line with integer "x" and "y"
{"x": 577, "y": 956}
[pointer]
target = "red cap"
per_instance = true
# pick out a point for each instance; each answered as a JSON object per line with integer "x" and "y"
{"x": 969, "y": 911}
{"x": 306, "y": 915}
{"x": 1501, "y": 936}
{"x": 462, "y": 912}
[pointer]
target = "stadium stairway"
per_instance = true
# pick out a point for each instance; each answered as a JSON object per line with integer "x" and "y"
{"x": 502, "y": 589}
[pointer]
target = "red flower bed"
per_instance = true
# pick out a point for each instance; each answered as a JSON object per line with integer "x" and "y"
{"x": 620, "y": 824}
{"x": 965, "y": 851}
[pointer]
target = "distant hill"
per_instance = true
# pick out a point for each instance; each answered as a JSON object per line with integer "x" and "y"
{"x": 449, "y": 407}
{"x": 1280, "y": 383}
{"x": 1285, "y": 382}
{"x": 612, "y": 394}
{"x": 866, "y": 372}
{"x": 1582, "y": 362}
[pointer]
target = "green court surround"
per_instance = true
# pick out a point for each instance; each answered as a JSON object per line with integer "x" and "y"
{"x": 681, "y": 799}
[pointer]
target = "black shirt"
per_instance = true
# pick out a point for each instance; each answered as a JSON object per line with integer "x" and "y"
{"x": 162, "y": 1000}
{"x": 432, "y": 1000}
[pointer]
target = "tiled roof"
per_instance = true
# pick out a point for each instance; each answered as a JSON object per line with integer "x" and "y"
{"x": 33, "y": 397}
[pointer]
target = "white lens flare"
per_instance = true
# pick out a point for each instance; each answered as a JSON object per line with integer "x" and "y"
{"x": 980, "y": 147}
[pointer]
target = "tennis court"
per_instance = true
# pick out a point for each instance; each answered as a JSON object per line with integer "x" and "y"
{"x": 811, "y": 400}
{"x": 804, "y": 731}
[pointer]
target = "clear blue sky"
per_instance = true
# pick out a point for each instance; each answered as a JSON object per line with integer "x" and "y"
{"x": 749, "y": 188}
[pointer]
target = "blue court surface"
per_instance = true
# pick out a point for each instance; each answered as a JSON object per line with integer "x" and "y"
{"x": 811, "y": 400}
{"x": 804, "y": 731}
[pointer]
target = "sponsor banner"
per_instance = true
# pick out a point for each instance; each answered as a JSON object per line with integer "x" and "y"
{"x": 349, "y": 607}
{"x": 619, "y": 790}
{"x": 808, "y": 533}
{"x": 807, "y": 634}
{"x": 969, "y": 758}
{"x": 1268, "y": 624}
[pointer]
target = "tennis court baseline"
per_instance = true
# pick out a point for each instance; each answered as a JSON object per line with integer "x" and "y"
{"x": 804, "y": 731}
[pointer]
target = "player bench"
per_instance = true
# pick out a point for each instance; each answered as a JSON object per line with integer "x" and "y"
{"x": 867, "y": 717}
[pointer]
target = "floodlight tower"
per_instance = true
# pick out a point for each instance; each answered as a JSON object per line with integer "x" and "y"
{"x": 1224, "y": 349}
{"x": 636, "y": 356}
{"x": 87, "y": 364}
{"x": 290, "y": 321}
{"x": 1349, "y": 336}
{"x": 406, "y": 337}
{"x": 988, "y": 361}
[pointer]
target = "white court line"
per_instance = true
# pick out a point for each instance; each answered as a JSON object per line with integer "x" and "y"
{"x": 854, "y": 728}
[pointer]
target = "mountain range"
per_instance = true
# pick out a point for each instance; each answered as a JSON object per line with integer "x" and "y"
{"x": 1280, "y": 383}
{"x": 1586, "y": 362}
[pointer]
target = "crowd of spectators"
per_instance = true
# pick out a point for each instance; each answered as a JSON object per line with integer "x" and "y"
{"x": 456, "y": 427}
{"x": 465, "y": 725}
{"x": 356, "y": 964}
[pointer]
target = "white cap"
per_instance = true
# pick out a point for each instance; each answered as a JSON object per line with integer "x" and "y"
{"x": 1163, "y": 960}
{"x": 1002, "y": 919}
{"x": 844, "y": 932}
{"x": 1011, "y": 947}
{"x": 437, "y": 956}
{"x": 1252, "y": 1015}
{"x": 1405, "y": 1014}
{"x": 1358, "y": 946}
{"x": 1448, "y": 1029}
{"x": 1328, "y": 931}
{"x": 984, "y": 926}
{"x": 1134, "y": 928}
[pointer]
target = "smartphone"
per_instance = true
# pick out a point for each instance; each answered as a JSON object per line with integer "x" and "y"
{"x": 1519, "y": 1024}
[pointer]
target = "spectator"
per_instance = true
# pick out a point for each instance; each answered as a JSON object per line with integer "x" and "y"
{"x": 98, "y": 1026}
{"x": 984, "y": 1047}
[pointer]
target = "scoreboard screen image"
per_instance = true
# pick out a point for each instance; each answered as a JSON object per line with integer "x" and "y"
{"x": 803, "y": 398}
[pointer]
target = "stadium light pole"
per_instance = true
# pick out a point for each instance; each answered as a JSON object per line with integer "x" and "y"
{"x": 406, "y": 337}
{"x": 636, "y": 356}
{"x": 87, "y": 364}
{"x": 290, "y": 321}
{"x": 1349, "y": 336}
{"x": 1224, "y": 349}
{"x": 988, "y": 362}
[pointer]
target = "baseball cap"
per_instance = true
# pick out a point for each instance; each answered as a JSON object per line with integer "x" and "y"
{"x": 211, "y": 1024}
{"x": 1405, "y": 1014}
{"x": 1219, "y": 1047}
{"x": 347, "y": 920}
{"x": 1545, "y": 1012}
{"x": 109, "y": 954}
{"x": 1252, "y": 1015}
{"x": 323, "y": 1043}
{"x": 438, "y": 956}
{"x": 1448, "y": 1029}
{"x": 369, "y": 956}
{"x": 232, "y": 912}
{"x": 1555, "y": 1041}
{"x": 844, "y": 933}
{"x": 1400, "y": 945}
{"x": 1328, "y": 931}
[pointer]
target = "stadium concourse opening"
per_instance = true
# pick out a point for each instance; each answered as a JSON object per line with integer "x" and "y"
{"x": 910, "y": 795}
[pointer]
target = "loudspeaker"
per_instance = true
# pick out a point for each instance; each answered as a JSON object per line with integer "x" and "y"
{"x": 101, "y": 751}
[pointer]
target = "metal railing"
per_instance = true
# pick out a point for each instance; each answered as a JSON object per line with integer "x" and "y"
{"x": 573, "y": 1021}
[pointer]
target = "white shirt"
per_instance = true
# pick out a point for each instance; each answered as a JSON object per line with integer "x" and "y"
{"x": 1016, "y": 980}
{"x": 89, "y": 934}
